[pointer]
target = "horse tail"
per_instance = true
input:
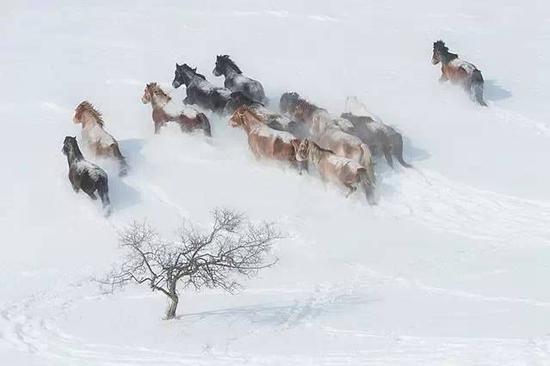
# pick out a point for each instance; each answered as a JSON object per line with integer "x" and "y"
{"x": 205, "y": 124}
{"x": 103, "y": 191}
{"x": 366, "y": 160}
{"x": 477, "y": 87}
{"x": 398, "y": 150}
{"x": 367, "y": 185}
{"x": 123, "y": 164}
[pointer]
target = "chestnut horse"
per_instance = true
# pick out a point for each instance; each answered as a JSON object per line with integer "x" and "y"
{"x": 337, "y": 169}
{"x": 97, "y": 140}
{"x": 188, "y": 119}
{"x": 329, "y": 133}
{"x": 458, "y": 71}
{"x": 265, "y": 142}
{"x": 236, "y": 81}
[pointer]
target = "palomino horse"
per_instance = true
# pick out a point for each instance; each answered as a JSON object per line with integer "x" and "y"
{"x": 337, "y": 169}
{"x": 199, "y": 90}
{"x": 328, "y": 133}
{"x": 188, "y": 118}
{"x": 85, "y": 175}
{"x": 380, "y": 138}
{"x": 236, "y": 81}
{"x": 97, "y": 140}
{"x": 264, "y": 142}
{"x": 458, "y": 71}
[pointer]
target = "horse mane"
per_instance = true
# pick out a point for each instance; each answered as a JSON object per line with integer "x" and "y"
{"x": 443, "y": 49}
{"x": 322, "y": 149}
{"x": 86, "y": 106}
{"x": 225, "y": 59}
{"x": 193, "y": 70}
{"x": 200, "y": 75}
{"x": 157, "y": 87}
{"x": 306, "y": 106}
{"x": 74, "y": 144}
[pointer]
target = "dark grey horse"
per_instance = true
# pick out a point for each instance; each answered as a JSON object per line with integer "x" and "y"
{"x": 236, "y": 81}
{"x": 86, "y": 176}
{"x": 379, "y": 137}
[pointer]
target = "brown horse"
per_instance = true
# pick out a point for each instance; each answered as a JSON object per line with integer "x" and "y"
{"x": 458, "y": 71}
{"x": 96, "y": 139}
{"x": 188, "y": 119}
{"x": 329, "y": 133}
{"x": 337, "y": 169}
{"x": 264, "y": 142}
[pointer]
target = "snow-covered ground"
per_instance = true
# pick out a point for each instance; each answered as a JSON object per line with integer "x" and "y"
{"x": 450, "y": 268}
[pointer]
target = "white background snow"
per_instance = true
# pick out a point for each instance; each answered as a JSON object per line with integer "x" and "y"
{"x": 451, "y": 268}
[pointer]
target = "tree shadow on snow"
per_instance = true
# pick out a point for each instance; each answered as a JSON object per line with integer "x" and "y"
{"x": 281, "y": 315}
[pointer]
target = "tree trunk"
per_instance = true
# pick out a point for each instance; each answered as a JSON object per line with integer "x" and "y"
{"x": 171, "y": 311}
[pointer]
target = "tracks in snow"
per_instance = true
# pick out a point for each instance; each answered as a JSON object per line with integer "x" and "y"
{"x": 435, "y": 201}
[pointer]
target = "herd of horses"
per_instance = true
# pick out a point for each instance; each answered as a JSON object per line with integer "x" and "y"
{"x": 300, "y": 134}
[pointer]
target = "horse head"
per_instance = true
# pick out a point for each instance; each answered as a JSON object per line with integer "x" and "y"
{"x": 301, "y": 148}
{"x": 147, "y": 96}
{"x": 288, "y": 101}
{"x": 85, "y": 113}
{"x": 238, "y": 117}
{"x": 223, "y": 62}
{"x": 70, "y": 146}
{"x": 438, "y": 51}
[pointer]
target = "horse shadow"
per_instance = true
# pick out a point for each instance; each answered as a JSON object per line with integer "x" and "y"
{"x": 493, "y": 91}
{"x": 413, "y": 153}
{"x": 123, "y": 195}
{"x": 132, "y": 148}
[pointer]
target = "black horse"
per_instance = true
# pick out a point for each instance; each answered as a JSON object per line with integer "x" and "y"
{"x": 85, "y": 175}
{"x": 199, "y": 90}
{"x": 236, "y": 81}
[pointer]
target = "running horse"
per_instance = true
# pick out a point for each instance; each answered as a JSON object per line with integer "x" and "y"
{"x": 458, "y": 71}
{"x": 338, "y": 169}
{"x": 265, "y": 142}
{"x": 199, "y": 90}
{"x": 86, "y": 176}
{"x": 380, "y": 137}
{"x": 188, "y": 119}
{"x": 236, "y": 81}
{"x": 328, "y": 133}
{"x": 96, "y": 139}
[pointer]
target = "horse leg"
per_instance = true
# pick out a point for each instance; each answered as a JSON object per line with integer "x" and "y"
{"x": 303, "y": 166}
{"x": 205, "y": 124}
{"x": 367, "y": 188}
{"x": 74, "y": 181}
{"x": 89, "y": 189}
{"x": 351, "y": 187}
{"x": 123, "y": 165}
{"x": 103, "y": 191}
{"x": 158, "y": 125}
{"x": 387, "y": 155}
{"x": 477, "y": 88}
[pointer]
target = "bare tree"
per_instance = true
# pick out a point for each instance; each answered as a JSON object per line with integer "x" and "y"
{"x": 233, "y": 246}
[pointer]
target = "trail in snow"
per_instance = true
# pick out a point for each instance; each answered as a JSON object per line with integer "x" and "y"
{"x": 449, "y": 268}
